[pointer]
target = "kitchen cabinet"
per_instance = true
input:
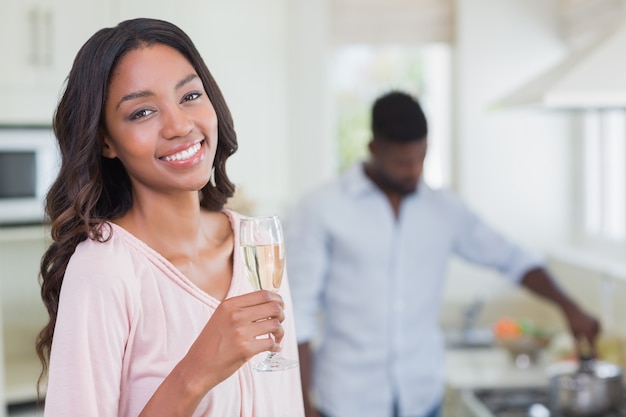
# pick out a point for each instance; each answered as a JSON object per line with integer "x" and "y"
{"x": 21, "y": 310}
{"x": 38, "y": 42}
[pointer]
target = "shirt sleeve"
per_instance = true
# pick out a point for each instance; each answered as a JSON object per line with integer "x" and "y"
{"x": 307, "y": 257}
{"x": 477, "y": 242}
{"x": 89, "y": 339}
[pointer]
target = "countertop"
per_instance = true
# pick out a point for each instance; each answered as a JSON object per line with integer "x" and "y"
{"x": 492, "y": 367}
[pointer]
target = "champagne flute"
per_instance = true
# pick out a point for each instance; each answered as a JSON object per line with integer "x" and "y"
{"x": 263, "y": 248}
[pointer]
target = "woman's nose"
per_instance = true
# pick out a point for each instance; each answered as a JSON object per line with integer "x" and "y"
{"x": 176, "y": 123}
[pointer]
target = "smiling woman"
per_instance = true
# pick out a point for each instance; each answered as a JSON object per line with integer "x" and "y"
{"x": 149, "y": 102}
{"x": 150, "y": 311}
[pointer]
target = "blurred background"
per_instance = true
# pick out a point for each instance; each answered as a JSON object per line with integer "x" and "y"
{"x": 525, "y": 100}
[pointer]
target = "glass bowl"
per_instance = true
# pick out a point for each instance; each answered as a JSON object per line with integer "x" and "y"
{"x": 524, "y": 349}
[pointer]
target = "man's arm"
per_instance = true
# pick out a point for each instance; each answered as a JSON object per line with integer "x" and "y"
{"x": 580, "y": 323}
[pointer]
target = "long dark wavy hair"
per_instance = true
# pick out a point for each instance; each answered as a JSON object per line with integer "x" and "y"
{"x": 90, "y": 188}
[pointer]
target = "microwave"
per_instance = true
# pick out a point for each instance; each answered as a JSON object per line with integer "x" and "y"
{"x": 29, "y": 164}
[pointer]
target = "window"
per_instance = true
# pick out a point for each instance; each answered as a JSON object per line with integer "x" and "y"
{"x": 604, "y": 178}
{"x": 362, "y": 72}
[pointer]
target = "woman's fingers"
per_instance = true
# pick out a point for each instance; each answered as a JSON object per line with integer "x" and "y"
{"x": 271, "y": 327}
{"x": 262, "y": 314}
{"x": 255, "y": 306}
{"x": 254, "y": 316}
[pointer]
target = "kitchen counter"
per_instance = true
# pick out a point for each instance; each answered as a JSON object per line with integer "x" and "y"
{"x": 491, "y": 367}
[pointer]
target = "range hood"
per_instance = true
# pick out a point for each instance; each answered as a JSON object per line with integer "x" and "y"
{"x": 592, "y": 77}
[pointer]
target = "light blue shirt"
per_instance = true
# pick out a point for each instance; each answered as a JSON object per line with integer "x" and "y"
{"x": 367, "y": 289}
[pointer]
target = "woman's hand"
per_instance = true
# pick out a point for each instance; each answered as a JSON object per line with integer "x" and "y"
{"x": 235, "y": 333}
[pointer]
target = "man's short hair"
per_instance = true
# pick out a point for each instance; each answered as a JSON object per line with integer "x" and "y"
{"x": 398, "y": 117}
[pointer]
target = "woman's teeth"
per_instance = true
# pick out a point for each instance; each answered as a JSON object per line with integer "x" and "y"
{"x": 183, "y": 155}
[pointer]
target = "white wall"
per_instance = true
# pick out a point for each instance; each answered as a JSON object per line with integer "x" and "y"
{"x": 311, "y": 138}
{"x": 513, "y": 165}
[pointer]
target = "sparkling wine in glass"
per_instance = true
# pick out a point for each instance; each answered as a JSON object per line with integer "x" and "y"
{"x": 263, "y": 248}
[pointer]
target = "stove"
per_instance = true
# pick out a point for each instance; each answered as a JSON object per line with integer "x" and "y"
{"x": 519, "y": 402}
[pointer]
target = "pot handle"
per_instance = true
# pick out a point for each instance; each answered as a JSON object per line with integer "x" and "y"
{"x": 585, "y": 354}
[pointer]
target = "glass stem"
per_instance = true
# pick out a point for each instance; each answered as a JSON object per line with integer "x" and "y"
{"x": 269, "y": 357}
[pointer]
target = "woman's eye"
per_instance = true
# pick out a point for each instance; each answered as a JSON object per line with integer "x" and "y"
{"x": 192, "y": 96}
{"x": 140, "y": 114}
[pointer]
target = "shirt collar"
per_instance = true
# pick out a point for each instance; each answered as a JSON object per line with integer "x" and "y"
{"x": 356, "y": 182}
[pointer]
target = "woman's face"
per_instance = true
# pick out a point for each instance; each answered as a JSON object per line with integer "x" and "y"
{"x": 160, "y": 122}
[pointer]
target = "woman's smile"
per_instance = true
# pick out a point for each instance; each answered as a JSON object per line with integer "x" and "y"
{"x": 188, "y": 156}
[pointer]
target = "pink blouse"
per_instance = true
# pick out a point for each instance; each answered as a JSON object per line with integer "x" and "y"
{"x": 127, "y": 316}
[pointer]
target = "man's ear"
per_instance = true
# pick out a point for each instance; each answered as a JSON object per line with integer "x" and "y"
{"x": 106, "y": 147}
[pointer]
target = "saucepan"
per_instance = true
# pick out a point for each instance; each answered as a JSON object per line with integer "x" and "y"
{"x": 587, "y": 388}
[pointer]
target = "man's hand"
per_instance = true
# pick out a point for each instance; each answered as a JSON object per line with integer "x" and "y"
{"x": 581, "y": 324}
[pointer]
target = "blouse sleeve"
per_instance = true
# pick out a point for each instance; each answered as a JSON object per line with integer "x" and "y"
{"x": 93, "y": 324}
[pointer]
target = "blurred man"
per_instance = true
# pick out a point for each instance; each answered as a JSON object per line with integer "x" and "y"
{"x": 368, "y": 251}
